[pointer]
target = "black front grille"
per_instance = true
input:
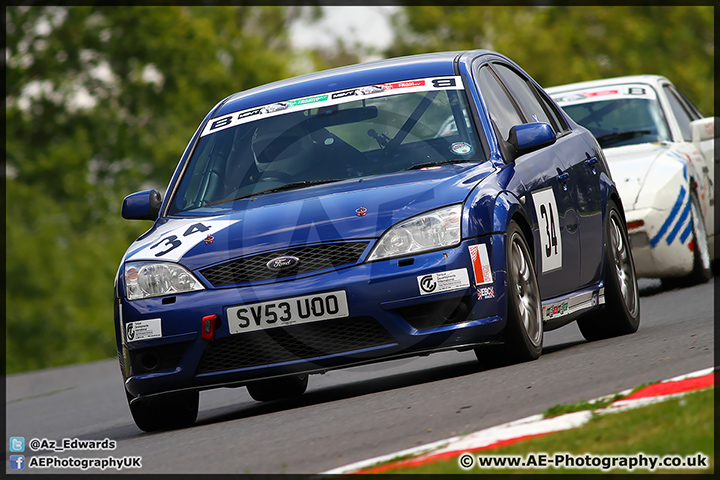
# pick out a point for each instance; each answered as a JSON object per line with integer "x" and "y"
{"x": 312, "y": 258}
{"x": 154, "y": 359}
{"x": 293, "y": 343}
{"x": 438, "y": 313}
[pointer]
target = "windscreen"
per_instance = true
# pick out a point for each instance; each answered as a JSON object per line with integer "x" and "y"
{"x": 366, "y": 131}
{"x": 617, "y": 115}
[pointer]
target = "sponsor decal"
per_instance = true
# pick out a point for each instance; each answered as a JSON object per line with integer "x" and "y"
{"x": 275, "y": 107}
{"x": 443, "y": 281}
{"x": 555, "y": 310}
{"x": 209, "y": 239}
{"x": 361, "y": 212}
{"x": 369, "y": 90}
{"x": 485, "y": 293}
{"x": 355, "y": 92}
{"x": 481, "y": 264}
{"x": 143, "y": 329}
{"x": 410, "y": 84}
{"x": 573, "y": 304}
{"x": 250, "y": 113}
{"x": 332, "y": 98}
{"x": 461, "y": 148}
{"x": 308, "y": 100}
{"x": 710, "y": 129}
{"x": 280, "y": 263}
{"x": 348, "y": 93}
{"x": 600, "y": 93}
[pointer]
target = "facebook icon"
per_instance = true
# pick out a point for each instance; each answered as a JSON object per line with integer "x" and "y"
{"x": 17, "y": 462}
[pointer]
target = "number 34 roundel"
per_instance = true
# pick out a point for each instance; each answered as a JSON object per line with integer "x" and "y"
{"x": 549, "y": 226}
{"x": 174, "y": 239}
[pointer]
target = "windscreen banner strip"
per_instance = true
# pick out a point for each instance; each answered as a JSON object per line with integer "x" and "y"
{"x": 332, "y": 98}
{"x": 607, "y": 92}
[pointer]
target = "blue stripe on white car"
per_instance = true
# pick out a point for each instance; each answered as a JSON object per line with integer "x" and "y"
{"x": 681, "y": 207}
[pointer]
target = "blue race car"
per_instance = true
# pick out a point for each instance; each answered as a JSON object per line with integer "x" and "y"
{"x": 366, "y": 213}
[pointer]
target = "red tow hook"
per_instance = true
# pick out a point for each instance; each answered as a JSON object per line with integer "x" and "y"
{"x": 210, "y": 323}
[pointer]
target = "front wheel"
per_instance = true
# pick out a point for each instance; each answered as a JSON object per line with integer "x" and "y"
{"x": 523, "y": 335}
{"x": 621, "y": 314}
{"x": 165, "y": 413}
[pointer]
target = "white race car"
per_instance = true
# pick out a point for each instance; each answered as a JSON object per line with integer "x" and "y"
{"x": 661, "y": 156}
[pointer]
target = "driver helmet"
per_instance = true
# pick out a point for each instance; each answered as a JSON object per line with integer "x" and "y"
{"x": 280, "y": 141}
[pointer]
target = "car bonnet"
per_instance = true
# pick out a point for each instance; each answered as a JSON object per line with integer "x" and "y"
{"x": 341, "y": 211}
{"x": 630, "y": 166}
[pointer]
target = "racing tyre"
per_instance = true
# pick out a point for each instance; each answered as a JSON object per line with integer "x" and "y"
{"x": 278, "y": 388}
{"x": 523, "y": 335}
{"x": 621, "y": 314}
{"x": 702, "y": 268}
{"x": 165, "y": 413}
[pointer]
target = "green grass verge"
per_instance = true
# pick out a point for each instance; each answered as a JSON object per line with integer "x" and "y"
{"x": 589, "y": 404}
{"x": 681, "y": 426}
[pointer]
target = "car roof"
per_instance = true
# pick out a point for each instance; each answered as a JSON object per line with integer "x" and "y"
{"x": 380, "y": 71}
{"x": 647, "y": 79}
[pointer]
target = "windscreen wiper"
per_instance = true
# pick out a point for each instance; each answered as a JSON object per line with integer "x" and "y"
{"x": 288, "y": 186}
{"x": 302, "y": 184}
{"x": 443, "y": 162}
{"x": 615, "y": 137}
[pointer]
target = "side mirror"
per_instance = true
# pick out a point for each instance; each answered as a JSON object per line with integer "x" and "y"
{"x": 143, "y": 205}
{"x": 528, "y": 137}
{"x": 703, "y": 129}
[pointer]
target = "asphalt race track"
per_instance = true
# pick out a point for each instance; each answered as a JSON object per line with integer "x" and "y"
{"x": 350, "y": 415}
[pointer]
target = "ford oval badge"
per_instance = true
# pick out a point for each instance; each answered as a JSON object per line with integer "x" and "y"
{"x": 280, "y": 263}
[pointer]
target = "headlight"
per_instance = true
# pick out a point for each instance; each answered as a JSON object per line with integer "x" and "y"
{"x": 153, "y": 279}
{"x": 429, "y": 231}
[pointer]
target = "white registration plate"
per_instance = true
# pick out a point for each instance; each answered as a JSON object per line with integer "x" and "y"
{"x": 287, "y": 311}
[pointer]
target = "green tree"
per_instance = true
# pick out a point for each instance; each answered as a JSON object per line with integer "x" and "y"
{"x": 565, "y": 44}
{"x": 102, "y": 101}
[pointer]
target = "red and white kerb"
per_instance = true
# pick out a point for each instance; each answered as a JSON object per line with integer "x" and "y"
{"x": 481, "y": 264}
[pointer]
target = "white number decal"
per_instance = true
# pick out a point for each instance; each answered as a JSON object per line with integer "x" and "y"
{"x": 549, "y": 225}
{"x": 174, "y": 239}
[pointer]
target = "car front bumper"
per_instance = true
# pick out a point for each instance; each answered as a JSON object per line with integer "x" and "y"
{"x": 660, "y": 246}
{"x": 388, "y": 317}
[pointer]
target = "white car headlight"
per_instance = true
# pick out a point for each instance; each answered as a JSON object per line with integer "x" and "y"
{"x": 429, "y": 231}
{"x": 154, "y": 279}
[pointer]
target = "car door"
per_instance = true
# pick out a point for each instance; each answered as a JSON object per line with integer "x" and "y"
{"x": 556, "y": 239}
{"x": 684, "y": 112}
{"x": 579, "y": 164}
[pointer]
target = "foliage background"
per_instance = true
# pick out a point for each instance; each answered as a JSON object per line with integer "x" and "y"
{"x": 101, "y": 102}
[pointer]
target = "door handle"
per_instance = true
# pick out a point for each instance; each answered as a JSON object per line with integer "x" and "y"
{"x": 563, "y": 177}
{"x": 591, "y": 162}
